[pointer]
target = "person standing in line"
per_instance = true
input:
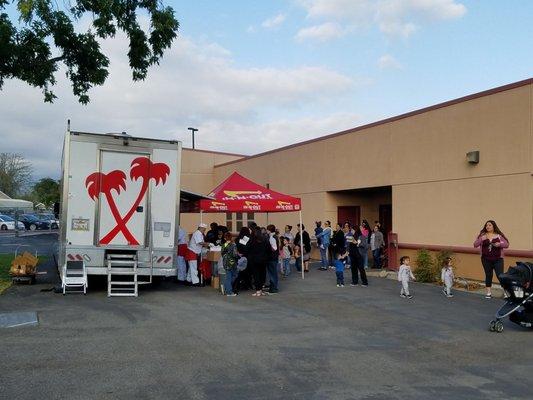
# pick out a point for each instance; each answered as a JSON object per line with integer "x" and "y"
{"x": 365, "y": 230}
{"x": 258, "y": 255}
{"x": 376, "y": 244}
{"x": 447, "y": 276}
{"x": 212, "y": 235}
{"x": 404, "y": 276}
{"x": 337, "y": 241}
{"x": 194, "y": 253}
{"x": 491, "y": 242}
{"x": 182, "y": 252}
{"x": 244, "y": 279}
{"x": 288, "y": 234}
{"x": 304, "y": 244}
{"x": 229, "y": 261}
{"x": 348, "y": 238}
{"x": 273, "y": 258}
{"x": 285, "y": 254}
{"x": 325, "y": 238}
{"x": 318, "y": 231}
{"x": 356, "y": 247}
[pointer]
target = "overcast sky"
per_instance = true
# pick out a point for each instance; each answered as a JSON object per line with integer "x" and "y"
{"x": 257, "y": 75}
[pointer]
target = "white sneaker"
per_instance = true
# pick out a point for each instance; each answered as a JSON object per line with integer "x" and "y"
{"x": 338, "y": 285}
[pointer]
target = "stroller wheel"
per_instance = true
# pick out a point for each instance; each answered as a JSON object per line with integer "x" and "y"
{"x": 498, "y": 326}
{"x": 492, "y": 326}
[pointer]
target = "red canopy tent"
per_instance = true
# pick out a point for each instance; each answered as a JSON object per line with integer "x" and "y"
{"x": 239, "y": 194}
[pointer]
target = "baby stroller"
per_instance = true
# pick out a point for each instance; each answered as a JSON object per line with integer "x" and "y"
{"x": 518, "y": 285}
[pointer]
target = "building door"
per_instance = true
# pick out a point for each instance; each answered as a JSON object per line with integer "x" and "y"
{"x": 351, "y": 214}
{"x": 385, "y": 218}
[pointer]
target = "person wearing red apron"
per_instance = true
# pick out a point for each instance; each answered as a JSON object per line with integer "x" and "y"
{"x": 194, "y": 251}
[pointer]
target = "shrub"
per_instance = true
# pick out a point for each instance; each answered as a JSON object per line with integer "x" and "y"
{"x": 426, "y": 270}
{"x": 441, "y": 256}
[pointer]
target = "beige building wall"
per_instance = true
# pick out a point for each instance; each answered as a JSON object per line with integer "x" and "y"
{"x": 423, "y": 158}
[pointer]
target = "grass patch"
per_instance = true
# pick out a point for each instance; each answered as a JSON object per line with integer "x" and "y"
{"x": 5, "y": 265}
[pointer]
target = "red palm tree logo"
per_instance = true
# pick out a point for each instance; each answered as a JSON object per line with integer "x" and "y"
{"x": 99, "y": 183}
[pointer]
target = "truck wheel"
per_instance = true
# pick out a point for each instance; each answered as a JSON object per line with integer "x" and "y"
{"x": 33, "y": 227}
{"x": 3, "y": 227}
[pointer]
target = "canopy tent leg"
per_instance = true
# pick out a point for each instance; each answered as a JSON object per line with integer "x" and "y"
{"x": 302, "y": 245}
{"x": 201, "y": 217}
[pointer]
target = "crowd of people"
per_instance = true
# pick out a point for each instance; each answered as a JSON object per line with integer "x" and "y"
{"x": 258, "y": 256}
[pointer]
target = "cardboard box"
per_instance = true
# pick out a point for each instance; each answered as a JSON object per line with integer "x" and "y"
{"x": 213, "y": 256}
{"x": 215, "y": 282}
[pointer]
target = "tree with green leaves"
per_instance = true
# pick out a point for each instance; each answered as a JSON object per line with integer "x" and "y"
{"x": 46, "y": 191}
{"x": 44, "y": 37}
{"x": 15, "y": 174}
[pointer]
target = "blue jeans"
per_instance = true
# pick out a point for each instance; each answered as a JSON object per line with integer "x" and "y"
{"x": 365, "y": 260}
{"x": 286, "y": 266}
{"x": 324, "y": 257}
{"x": 231, "y": 275}
{"x": 377, "y": 257}
{"x": 340, "y": 277}
{"x": 272, "y": 268}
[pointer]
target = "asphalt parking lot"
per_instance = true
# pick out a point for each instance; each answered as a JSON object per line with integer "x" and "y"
{"x": 44, "y": 242}
{"x": 312, "y": 340}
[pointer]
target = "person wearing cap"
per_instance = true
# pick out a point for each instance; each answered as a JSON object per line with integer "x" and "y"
{"x": 194, "y": 248}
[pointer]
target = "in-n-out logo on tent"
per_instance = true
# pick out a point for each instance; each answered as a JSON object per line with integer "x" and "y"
{"x": 284, "y": 205}
{"x": 252, "y": 206}
{"x": 216, "y": 205}
{"x": 99, "y": 183}
{"x": 246, "y": 195}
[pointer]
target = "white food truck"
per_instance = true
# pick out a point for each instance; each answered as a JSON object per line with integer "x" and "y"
{"x": 119, "y": 208}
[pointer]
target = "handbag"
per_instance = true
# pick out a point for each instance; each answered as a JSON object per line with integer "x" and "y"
{"x": 242, "y": 263}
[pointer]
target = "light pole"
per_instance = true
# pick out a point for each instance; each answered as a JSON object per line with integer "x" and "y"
{"x": 192, "y": 131}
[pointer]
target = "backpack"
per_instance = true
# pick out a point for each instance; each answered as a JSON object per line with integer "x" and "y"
{"x": 229, "y": 256}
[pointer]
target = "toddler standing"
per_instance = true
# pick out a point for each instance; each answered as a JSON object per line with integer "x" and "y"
{"x": 339, "y": 269}
{"x": 447, "y": 277}
{"x": 404, "y": 275}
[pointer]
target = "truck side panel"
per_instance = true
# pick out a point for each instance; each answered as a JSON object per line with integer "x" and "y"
{"x": 164, "y": 198}
{"x": 80, "y": 222}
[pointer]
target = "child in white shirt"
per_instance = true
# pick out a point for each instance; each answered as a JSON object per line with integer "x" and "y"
{"x": 404, "y": 275}
{"x": 447, "y": 277}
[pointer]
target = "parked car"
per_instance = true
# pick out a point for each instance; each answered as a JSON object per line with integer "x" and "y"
{"x": 9, "y": 218}
{"x": 32, "y": 223}
{"x": 50, "y": 218}
{"x": 6, "y": 223}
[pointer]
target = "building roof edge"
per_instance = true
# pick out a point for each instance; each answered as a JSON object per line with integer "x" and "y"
{"x": 447, "y": 103}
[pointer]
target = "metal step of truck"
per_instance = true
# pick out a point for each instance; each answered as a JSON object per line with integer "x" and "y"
{"x": 125, "y": 266}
